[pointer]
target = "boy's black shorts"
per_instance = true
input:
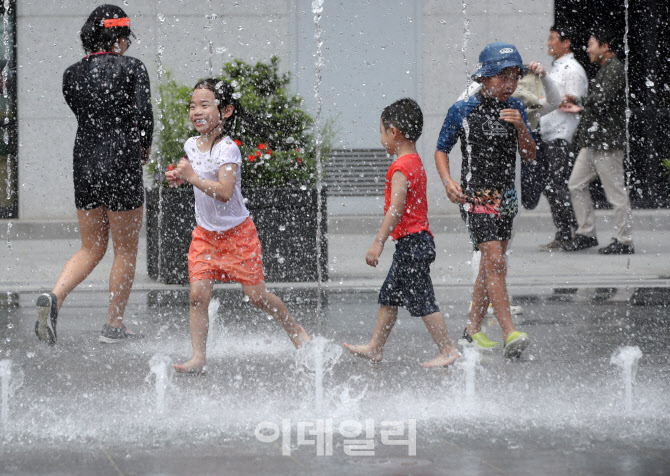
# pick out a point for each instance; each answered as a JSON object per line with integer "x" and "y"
{"x": 408, "y": 282}
{"x": 485, "y": 227}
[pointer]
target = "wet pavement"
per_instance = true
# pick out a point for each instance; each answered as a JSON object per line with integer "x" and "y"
{"x": 84, "y": 407}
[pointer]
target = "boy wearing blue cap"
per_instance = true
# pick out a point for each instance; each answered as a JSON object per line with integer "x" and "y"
{"x": 491, "y": 126}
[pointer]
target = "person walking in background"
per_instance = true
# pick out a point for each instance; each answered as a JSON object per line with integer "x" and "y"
{"x": 557, "y": 128}
{"x": 601, "y": 140}
{"x": 110, "y": 96}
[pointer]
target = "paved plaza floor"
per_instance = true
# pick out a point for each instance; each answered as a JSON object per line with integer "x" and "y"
{"x": 87, "y": 408}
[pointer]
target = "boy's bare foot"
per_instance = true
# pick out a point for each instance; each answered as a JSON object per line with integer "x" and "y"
{"x": 193, "y": 366}
{"x": 366, "y": 351}
{"x": 442, "y": 360}
{"x": 300, "y": 338}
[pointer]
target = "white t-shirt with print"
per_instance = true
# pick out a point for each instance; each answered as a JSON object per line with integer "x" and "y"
{"x": 210, "y": 213}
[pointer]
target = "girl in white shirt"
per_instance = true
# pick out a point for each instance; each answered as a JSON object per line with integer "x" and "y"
{"x": 225, "y": 245}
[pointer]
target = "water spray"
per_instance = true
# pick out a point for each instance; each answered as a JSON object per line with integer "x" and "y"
{"x": 5, "y": 378}
{"x": 627, "y": 358}
{"x": 161, "y": 367}
{"x": 470, "y": 362}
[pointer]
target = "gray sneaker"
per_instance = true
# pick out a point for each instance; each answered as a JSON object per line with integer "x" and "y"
{"x": 47, "y": 315}
{"x": 112, "y": 335}
{"x": 556, "y": 245}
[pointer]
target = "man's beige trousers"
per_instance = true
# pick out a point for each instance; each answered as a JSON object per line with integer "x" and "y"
{"x": 608, "y": 165}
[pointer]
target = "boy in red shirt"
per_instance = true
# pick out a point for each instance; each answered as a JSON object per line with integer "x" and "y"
{"x": 408, "y": 281}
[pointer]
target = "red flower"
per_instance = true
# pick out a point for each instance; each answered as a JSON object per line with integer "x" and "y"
{"x": 299, "y": 160}
{"x": 259, "y": 153}
{"x": 261, "y": 146}
{"x": 171, "y": 167}
{"x": 269, "y": 152}
{"x": 251, "y": 157}
{"x": 238, "y": 142}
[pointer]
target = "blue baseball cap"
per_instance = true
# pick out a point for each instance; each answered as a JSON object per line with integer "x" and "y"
{"x": 496, "y": 57}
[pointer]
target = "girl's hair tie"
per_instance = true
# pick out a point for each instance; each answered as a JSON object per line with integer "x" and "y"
{"x": 116, "y": 22}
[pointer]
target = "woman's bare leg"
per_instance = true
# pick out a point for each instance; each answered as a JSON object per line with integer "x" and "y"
{"x": 125, "y": 228}
{"x": 267, "y": 302}
{"x": 94, "y": 231}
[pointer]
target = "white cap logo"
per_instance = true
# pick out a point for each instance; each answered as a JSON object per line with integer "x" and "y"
{"x": 506, "y": 50}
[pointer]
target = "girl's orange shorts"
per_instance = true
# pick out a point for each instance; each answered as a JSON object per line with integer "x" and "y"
{"x": 231, "y": 255}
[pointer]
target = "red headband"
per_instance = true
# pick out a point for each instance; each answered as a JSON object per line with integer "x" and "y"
{"x": 114, "y": 22}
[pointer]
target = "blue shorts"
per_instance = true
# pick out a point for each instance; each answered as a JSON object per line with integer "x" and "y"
{"x": 408, "y": 282}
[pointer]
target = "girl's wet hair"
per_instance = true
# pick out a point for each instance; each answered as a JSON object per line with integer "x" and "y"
{"x": 224, "y": 95}
{"x": 95, "y": 37}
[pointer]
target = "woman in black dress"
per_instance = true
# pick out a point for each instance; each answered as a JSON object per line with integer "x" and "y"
{"x": 110, "y": 96}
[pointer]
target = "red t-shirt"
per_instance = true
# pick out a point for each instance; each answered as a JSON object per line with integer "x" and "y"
{"x": 415, "y": 215}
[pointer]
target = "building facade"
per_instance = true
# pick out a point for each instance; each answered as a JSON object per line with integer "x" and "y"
{"x": 374, "y": 52}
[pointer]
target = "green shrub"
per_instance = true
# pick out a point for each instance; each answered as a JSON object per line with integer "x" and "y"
{"x": 282, "y": 156}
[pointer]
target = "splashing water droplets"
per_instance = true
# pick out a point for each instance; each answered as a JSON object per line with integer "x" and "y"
{"x": 5, "y": 94}
{"x": 215, "y": 328}
{"x": 159, "y": 126}
{"x": 161, "y": 368}
{"x": 10, "y": 223}
{"x": 318, "y": 358}
{"x": 5, "y": 378}
{"x": 317, "y": 9}
{"x": 628, "y": 95}
{"x": 10, "y": 381}
{"x": 627, "y": 359}
{"x": 470, "y": 363}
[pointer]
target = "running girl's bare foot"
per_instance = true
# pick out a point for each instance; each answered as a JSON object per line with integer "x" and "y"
{"x": 366, "y": 351}
{"x": 193, "y": 366}
{"x": 300, "y": 338}
{"x": 442, "y": 360}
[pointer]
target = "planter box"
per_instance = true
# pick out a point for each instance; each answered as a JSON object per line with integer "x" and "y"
{"x": 169, "y": 234}
{"x": 285, "y": 220}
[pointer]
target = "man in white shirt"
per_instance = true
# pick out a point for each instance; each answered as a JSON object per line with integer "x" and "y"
{"x": 557, "y": 128}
